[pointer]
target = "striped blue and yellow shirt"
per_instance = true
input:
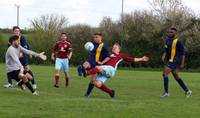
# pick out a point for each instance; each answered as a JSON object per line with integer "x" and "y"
{"x": 174, "y": 49}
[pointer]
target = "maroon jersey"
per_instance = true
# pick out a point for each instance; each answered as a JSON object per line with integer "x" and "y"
{"x": 63, "y": 48}
{"x": 116, "y": 59}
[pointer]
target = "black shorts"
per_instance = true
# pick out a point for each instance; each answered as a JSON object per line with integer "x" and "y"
{"x": 14, "y": 75}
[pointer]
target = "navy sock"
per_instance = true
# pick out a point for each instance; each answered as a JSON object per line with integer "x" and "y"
{"x": 182, "y": 84}
{"x": 29, "y": 87}
{"x": 32, "y": 80}
{"x": 90, "y": 88}
{"x": 166, "y": 84}
{"x": 10, "y": 81}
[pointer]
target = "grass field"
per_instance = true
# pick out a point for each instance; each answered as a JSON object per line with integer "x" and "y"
{"x": 137, "y": 96}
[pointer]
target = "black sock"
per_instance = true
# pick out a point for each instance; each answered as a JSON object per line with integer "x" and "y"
{"x": 182, "y": 84}
{"x": 20, "y": 83}
{"x": 29, "y": 87}
{"x": 32, "y": 80}
{"x": 166, "y": 84}
{"x": 90, "y": 88}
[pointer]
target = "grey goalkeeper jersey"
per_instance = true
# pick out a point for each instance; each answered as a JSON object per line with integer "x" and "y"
{"x": 12, "y": 57}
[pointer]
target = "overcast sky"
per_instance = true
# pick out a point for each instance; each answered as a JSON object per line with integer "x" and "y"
{"x": 77, "y": 11}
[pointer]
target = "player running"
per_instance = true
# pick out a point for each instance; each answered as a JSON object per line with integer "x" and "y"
{"x": 98, "y": 56}
{"x": 63, "y": 51}
{"x": 174, "y": 55}
{"x": 14, "y": 67}
{"x": 108, "y": 70}
{"x": 23, "y": 57}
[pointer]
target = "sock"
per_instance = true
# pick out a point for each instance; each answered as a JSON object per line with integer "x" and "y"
{"x": 29, "y": 87}
{"x": 166, "y": 84}
{"x": 21, "y": 83}
{"x": 9, "y": 80}
{"x": 57, "y": 78}
{"x": 92, "y": 71}
{"x": 66, "y": 81}
{"x": 33, "y": 80}
{"x": 182, "y": 84}
{"x": 106, "y": 89}
{"x": 90, "y": 88}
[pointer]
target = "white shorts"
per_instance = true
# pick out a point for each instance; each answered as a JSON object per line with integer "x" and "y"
{"x": 62, "y": 64}
{"x": 108, "y": 72}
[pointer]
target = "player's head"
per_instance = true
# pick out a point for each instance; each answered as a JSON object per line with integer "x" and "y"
{"x": 97, "y": 37}
{"x": 13, "y": 40}
{"x": 63, "y": 36}
{"x": 172, "y": 32}
{"x": 16, "y": 30}
{"x": 116, "y": 48}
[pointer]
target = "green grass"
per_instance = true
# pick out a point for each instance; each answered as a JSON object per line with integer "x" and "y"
{"x": 137, "y": 96}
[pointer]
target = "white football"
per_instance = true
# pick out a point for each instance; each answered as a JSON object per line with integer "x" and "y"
{"x": 89, "y": 46}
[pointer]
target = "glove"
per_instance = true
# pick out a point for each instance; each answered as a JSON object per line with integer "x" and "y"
{"x": 42, "y": 56}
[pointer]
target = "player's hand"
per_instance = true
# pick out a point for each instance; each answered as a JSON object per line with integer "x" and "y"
{"x": 21, "y": 73}
{"x": 100, "y": 63}
{"x": 21, "y": 55}
{"x": 42, "y": 56}
{"x": 30, "y": 56}
{"x": 145, "y": 58}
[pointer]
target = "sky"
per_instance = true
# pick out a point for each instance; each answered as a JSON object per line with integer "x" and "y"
{"x": 88, "y": 12}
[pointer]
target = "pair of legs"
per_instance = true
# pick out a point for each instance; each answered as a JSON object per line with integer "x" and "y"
{"x": 22, "y": 79}
{"x": 100, "y": 74}
{"x": 27, "y": 69}
{"x": 175, "y": 72}
{"x": 61, "y": 64}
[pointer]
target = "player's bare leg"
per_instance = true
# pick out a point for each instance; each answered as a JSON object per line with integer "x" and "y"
{"x": 27, "y": 68}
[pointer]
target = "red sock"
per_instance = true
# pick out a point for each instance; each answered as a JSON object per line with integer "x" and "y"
{"x": 57, "y": 78}
{"x": 92, "y": 71}
{"x": 105, "y": 89}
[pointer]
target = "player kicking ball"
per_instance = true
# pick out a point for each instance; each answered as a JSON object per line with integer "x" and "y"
{"x": 108, "y": 70}
{"x": 14, "y": 68}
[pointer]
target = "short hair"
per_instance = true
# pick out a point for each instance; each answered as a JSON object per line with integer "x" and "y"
{"x": 13, "y": 38}
{"x": 98, "y": 33}
{"x": 63, "y": 33}
{"x": 16, "y": 27}
{"x": 117, "y": 44}
{"x": 173, "y": 28}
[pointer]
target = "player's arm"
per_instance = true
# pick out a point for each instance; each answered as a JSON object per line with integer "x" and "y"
{"x": 182, "y": 54}
{"x": 134, "y": 59}
{"x": 70, "y": 51}
{"x": 29, "y": 52}
{"x": 53, "y": 51}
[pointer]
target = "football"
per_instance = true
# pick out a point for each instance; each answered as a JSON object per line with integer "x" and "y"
{"x": 89, "y": 46}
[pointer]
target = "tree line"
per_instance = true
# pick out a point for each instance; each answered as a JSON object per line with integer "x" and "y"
{"x": 139, "y": 33}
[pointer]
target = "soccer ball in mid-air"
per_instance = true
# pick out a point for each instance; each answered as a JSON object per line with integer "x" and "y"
{"x": 89, "y": 46}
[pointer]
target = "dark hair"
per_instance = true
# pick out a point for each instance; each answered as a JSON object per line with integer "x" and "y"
{"x": 13, "y": 38}
{"x": 15, "y": 27}
{"x": 173, "y": 28}
{"x": 63, "y": 33}
{"x": 98, "y": 33}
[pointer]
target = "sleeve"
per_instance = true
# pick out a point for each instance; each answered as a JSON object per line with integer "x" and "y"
{"x": 24, "y": 43}
{"x": 106, "y": 52}
{"x": 14, "y": 56}
{"x": 29, "y": 52}
{"x": 181, "y": 48}
{"x": 127, "y": 58}
{"x": 69, "y": 47}
{"x": 55, "y": 47}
